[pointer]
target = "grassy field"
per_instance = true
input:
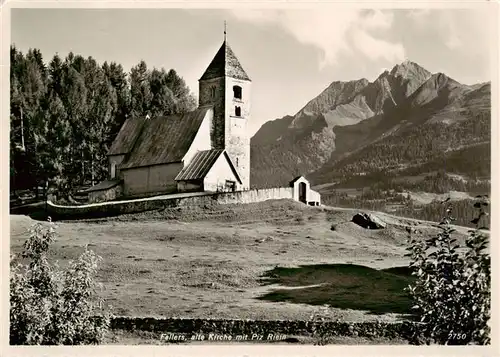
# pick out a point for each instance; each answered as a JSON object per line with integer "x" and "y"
{"x": 270, "y": 260}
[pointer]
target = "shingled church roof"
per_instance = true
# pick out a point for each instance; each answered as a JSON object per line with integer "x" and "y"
{"x": 159, "y": 140}
{"x": 124, "y": 141}
{"x": 225, "y": 63}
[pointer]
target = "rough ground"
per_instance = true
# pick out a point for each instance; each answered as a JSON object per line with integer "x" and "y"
{"x": 207, "y": 262}
{"x": 426, "y": 197}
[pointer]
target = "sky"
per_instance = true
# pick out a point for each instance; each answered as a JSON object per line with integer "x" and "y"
{"x": 291, "y": 55}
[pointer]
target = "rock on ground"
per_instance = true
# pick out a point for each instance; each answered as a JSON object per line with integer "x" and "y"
{"x": 368, "y": 221}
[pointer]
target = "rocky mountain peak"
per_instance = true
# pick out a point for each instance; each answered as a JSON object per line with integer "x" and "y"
{"x": 382, "y": 75}
{"x": 338, "y": 92}
{"x": 410, "y": 70}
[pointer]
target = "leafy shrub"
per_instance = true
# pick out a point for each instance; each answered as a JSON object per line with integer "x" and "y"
{"x": 452, "y": 290}
{"x": 50, "y": 306}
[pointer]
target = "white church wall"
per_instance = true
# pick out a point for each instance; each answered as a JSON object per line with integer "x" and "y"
{"x": 202, "y": 139}
{"x": 243, "y": 102}
{"x": 237, "y": 138}
{"x": 215, "y": 180}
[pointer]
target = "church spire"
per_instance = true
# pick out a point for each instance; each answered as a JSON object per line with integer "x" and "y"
{"x": 225, "y": 63}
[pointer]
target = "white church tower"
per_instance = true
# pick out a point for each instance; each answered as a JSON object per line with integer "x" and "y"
{"x": 226, "y": 86}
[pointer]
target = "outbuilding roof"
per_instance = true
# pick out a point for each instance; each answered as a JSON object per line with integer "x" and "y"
{"x": 296, "y": 179}
{"x": 201, "y": 164}
{"x": 104, "y": 185}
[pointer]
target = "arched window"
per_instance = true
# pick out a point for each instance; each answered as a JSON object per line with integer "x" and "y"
{"x": 237, "y": 92}
{"x": 237, "y": 111}
{"x": 237, "y": 162}
{"x": 212, "y": 92}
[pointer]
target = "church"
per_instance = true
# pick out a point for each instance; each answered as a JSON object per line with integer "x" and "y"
{"x": 207, "y": 149}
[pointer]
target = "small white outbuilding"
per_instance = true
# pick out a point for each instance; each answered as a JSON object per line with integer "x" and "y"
{"x": 302, "y": 192}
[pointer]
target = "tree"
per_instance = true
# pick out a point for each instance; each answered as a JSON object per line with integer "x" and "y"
{"x": 452, "y": 290}
{"x": 75, "y": 102}
{"x": 28, "y": 89}
{"x": 140, "y": 91}
{"x": 49, "y": 306}
{"x": 184, "y": 100}
{"x": 17, "y": 145}
{"x": 102, "y": 106}
{"x": 59, "y": 144}
{"x": 118, "y": 79}
{"x": 163, "y": 100}
{"x": 57, "y": 71}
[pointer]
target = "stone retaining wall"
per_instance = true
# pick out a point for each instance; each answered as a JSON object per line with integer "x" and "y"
{"x": 265, "y": 327}
{"x": 109, "y": 209}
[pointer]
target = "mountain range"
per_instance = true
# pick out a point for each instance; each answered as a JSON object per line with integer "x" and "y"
{"x": 408, "y": 121}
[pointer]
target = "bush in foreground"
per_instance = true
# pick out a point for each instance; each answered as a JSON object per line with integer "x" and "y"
{"x": 452, "y": 290}
{"x": 51, "y": 306}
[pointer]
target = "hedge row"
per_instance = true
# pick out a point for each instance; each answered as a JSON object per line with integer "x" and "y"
{"x": 403, "y": 330}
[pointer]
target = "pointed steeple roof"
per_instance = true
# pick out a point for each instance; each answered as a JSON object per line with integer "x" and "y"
{"x": 225, "y": 63}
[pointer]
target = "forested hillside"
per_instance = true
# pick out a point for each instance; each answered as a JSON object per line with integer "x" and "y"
{"x": 416, "y": 149}
{"x": 66, "y": 112}
{"x": 282, "y": 152}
